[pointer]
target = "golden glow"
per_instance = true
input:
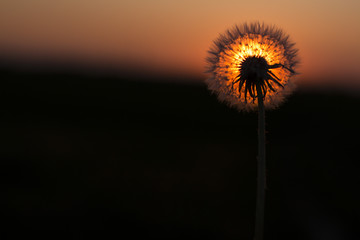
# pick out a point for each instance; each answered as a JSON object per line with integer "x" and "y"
{"x": 247, "y": 46}
{"x": 175, "y": 35}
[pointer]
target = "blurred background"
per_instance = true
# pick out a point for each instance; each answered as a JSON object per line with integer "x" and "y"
{"x": 108, "y": 130}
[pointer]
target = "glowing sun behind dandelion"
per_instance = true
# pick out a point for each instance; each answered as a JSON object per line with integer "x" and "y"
{"x": 251, "y": 57}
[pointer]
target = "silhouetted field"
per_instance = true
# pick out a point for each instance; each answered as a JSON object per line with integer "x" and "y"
{"x": 108, "y": 157}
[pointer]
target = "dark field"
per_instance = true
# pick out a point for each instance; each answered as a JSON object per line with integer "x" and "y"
{"x": 98, "y": 156}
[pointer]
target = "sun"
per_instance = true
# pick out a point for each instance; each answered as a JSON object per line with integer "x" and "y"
{"x": 233, "y": 51}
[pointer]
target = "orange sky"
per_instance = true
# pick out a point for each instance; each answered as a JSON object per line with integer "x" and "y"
{"x": 175, "y": 35}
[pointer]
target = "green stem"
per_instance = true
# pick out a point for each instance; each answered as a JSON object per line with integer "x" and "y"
{"x": 261, "y": 181}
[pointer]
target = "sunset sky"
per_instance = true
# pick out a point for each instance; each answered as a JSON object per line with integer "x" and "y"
{"x": 173, "y": 36}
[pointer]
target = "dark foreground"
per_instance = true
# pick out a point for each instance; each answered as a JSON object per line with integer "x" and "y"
{"x": 100, "y": 157}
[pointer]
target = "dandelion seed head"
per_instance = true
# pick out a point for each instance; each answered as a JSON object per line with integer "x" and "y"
{"x": 250, "y": 56}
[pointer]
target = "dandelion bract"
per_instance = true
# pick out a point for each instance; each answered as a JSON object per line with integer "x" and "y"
{"x": 249, "y": 60}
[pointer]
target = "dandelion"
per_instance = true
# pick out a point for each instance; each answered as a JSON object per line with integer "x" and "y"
{"x": 250, "y": 61}
{"x": 251, "y": 68}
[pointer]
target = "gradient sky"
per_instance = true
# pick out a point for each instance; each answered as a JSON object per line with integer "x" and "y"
{"x": 175, "y": 35}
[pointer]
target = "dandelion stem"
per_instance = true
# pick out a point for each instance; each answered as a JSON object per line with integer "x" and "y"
{"x": 261, "y": 181}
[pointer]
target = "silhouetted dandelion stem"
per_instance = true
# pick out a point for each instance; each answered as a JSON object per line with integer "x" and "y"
{"x": 261, "y": 172}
